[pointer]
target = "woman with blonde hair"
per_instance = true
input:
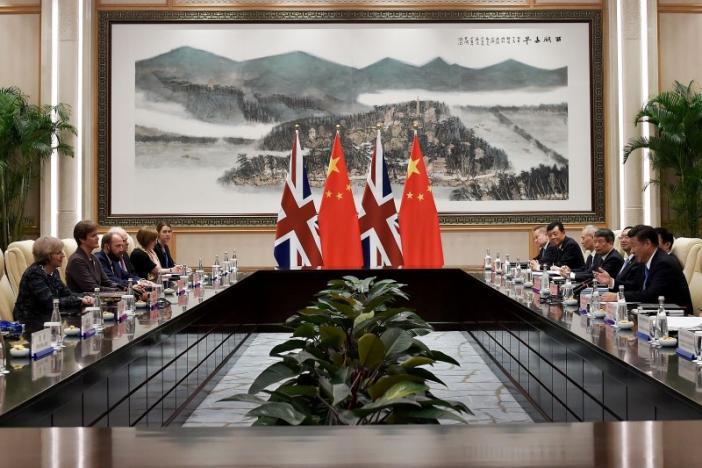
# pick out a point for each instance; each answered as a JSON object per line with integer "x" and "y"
{"x": 41, "y": 284}
{"x": 145, "y": 260}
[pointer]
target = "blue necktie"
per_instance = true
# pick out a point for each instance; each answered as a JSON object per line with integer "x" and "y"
{"x": 646, "y": 272}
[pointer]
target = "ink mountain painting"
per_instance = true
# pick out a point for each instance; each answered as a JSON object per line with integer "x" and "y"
{"x": 498, "y": 132}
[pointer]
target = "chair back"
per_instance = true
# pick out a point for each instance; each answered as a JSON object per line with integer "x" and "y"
{"x": 17, "y": 259}
{"x": 682, "y": 250}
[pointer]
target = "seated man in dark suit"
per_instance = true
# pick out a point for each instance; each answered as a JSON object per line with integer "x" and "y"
{"x": 83, "y": 271}
{"x": 604, "y": 257}
{"x": 662, "y": 273}
{"x": 630, "y": 274}
{"x": 568, "y": 251}
{"x": 546, "y": 252}
{"x": 113, "y": 248}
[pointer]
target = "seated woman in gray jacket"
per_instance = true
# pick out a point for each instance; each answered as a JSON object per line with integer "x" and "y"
{"x": 41, "y": 284}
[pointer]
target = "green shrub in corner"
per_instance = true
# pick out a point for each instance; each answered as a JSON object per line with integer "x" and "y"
{"x": 353, "y": 359}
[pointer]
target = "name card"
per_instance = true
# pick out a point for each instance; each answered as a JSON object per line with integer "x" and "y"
{"x": 181, "y": 288}
{"x": 87, "y": 326}
{"x": 553, "y": 288}
{"x": 41, "y": 343}
{"x": 686, "y": 342}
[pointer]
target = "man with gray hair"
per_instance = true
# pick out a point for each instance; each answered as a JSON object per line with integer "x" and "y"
{"x": 603, "y": 258}
{"x": 587, "y": 242}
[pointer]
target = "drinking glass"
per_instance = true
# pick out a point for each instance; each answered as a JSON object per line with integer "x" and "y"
{"x": 698, "y": 348}
{"x": 3, "y": 369}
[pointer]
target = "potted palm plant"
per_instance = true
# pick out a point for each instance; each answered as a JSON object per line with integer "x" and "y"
{"x": 676, "y": 148}
{"x": 29, "y": 134}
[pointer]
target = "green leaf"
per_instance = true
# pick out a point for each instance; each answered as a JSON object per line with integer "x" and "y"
{"x": 362, "y": 318}
{"x": 298, "y": 390}
{"x": 287, "y": 346}
{"x": 371, "y": 351}
{"x": 404, "y": 389}
{"x": 305, "y": 330}
{"x": 385, "y": 382}
{"x": 396, "y": 341}
{"x": 279, "y": 410}
{"x": 272, "y": 374}
{"x": 415, "y": 361}
{"x": 424, "y": 374}
{"x": 340, "y": 392}
{"x": 332, "y": 336}
{"x": 439, "y": 356}
{"x": 245, "y": 397}
{"x": 384, "y": 403}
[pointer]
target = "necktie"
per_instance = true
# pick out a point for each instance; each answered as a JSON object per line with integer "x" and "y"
{"x": 122, "y": 264}
{"x": 646, "y": 272}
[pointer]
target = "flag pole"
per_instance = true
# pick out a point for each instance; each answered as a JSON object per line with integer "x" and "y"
{"x": 415, "y": 124}
{"x": 338, "y": 126}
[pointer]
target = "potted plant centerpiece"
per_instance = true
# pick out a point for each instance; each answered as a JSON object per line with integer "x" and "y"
{"x": 353, "y": 358}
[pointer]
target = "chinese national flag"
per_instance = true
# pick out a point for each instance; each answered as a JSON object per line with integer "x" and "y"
{"x": 338, "y": 220}
{"x": 419, "y": 221}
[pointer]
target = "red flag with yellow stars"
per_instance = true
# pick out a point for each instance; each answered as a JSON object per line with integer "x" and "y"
{"x": 419, "y": 221}
{"x": 338, "y": 220}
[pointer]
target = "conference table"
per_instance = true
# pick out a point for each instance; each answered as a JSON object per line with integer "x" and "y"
{"x": 122, "y": 395}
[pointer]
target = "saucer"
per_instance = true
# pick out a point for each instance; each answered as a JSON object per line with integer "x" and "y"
{"x": 624, "y": 324}
{"x": 108, "y": 316}
{"x": 169, "y": 291}
{"x": 570, "y": 302}
{"x": 528, "y": 284}
{"x": 71, "y": 331}
{"x": 668, "y": 341}
{"x": 19, "y": 352}
{"x": 140, "y": 304}
{"x": 599, "y": 314}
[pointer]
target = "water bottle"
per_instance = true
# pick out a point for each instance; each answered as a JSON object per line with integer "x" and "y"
{"x": 661, "y": 320}
{"x": 234, "y": 264}
{"x": 545, "y": 291}
{"x": 595, "y": 299}
{"x": 130, "y": 287}
{"x": 225, "y": 267}
{"x": 622, "y": 315}
{"x": 506, "y": 266}
{"x": 488, "y": 261}
{"x": 518, "y": 272}
{"x": 199, "y": 265}
{"x": 498, "y": 264}
{"x": 56, "y": 326}
{"x": 96, "y": 292}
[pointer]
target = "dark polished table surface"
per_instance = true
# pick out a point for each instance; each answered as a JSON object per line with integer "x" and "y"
{"x": 28, "y": 377}
{"x": 662, "y": 364}
{"x": 630, "y": 444}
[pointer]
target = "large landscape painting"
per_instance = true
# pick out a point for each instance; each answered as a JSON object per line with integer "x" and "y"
{"x": 503, "y": 112}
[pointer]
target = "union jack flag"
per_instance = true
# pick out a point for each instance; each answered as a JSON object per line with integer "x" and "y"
{"x": 380, "y": 236}
{"x": 296, "y": 234}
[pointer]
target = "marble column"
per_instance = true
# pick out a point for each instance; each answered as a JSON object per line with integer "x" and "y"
{"x": 636, "y": 192}
{"x": 70, "y": 170}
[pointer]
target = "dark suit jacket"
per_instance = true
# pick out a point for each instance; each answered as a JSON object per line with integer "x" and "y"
{"x": 114, "y": 270}
{"x": 35, "y": 299}
{"x": 84, "y": 273}
{"x": 143, "y": 265}
{"x": 547, "y": 255}
{"x": 611, "y": 264}
{"x": 630, "y": 275}
{"x": 665, "y": 278}
{"x": 128, "y": 264}
{"x": 569, "y": 254}
{"x": 164, "y": 255}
